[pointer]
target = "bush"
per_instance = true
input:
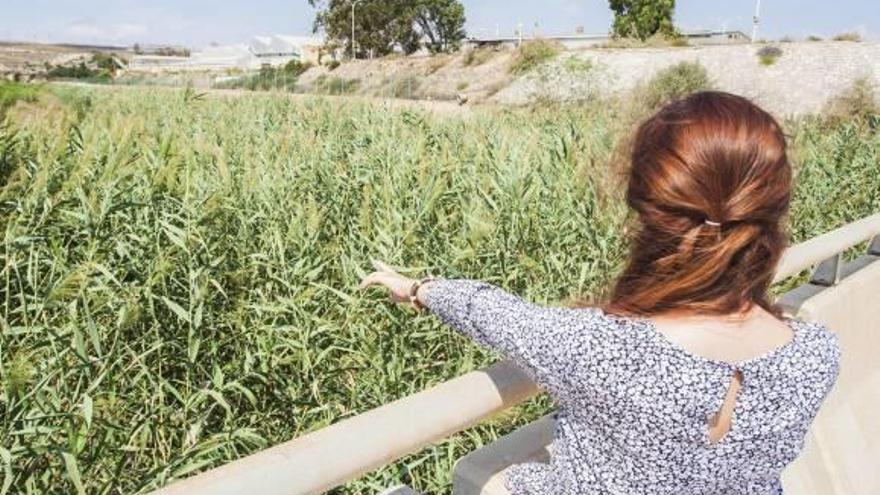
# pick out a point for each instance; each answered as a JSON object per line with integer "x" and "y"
{"x": 658, "y": 40}
{"x": 406, "y": 87}
{"x": 848, "y": 37}
{"x": 531, "y": 54}
{"x": 13, "y": 92}
{"x": 172, "y": 51}
{"x": 575, "y": 65}
{"x": 674, "y": 82}
{"x": 477, "y": 56}
{"x": 333, "y": 65}
{"x": 296, "y": 68}
{"x": 437, "y": 62}
{"x": 335, "y": 85}
{"x": 284, "y": 77}
{"x": 769, "y": 54}
{"x": 813, "y": 37}
{"x": 80, "y": 71}
{"x": 679, "y": 41}
{"x": 859, "y": 101}
{"x": 105, "y": 61}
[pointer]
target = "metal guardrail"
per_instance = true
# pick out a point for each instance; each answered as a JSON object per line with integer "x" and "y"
{"x": 828, "y": 247}
{"x": 346, "y": 450}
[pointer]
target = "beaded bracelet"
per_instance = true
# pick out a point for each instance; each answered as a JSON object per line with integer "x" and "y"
{"x": 413, "y": 291}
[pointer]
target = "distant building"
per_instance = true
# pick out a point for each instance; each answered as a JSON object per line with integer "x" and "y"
{"x": 274, "y": 50}
{"x": 575, "y": 41}
{"x": 280, "y": 49}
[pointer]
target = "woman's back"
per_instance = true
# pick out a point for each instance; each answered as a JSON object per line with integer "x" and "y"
{"x": 729, "y": 340}
{"x": 635, "y": 409}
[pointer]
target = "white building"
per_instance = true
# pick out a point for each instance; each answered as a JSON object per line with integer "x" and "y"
{"x": 275, "y": 50}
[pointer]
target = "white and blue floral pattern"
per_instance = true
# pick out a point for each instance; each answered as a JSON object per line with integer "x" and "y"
{"x": 633, "y": 408}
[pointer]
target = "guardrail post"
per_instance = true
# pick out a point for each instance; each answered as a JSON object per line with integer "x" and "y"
{"x": 827, "y": 273}
{"x": 874, "y": 247}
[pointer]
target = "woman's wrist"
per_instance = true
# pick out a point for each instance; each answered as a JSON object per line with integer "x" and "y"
{"x": 419, "y": 294}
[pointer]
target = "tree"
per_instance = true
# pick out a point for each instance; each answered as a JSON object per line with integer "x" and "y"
{"x": 441, "y": 23}
{"x": 383, "y": 25}
{"x": 643, "y": 18}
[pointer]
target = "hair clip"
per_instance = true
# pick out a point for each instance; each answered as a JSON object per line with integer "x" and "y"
{"x": 710, "y": 222}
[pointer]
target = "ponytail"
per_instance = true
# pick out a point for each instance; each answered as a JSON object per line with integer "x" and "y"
{"x": 710, "y": 183}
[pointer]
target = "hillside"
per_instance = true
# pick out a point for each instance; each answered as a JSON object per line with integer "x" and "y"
{"x": 801, "y": 80}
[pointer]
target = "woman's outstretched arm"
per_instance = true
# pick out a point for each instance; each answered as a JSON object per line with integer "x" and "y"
{"x": 544, "y": 341}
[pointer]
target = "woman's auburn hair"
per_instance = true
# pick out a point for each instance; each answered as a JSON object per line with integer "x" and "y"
{"x": 710, "y": 158}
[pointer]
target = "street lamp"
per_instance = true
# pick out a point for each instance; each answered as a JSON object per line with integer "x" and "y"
{"x": 757, "y": 19}
{"x": 353, "y": 4}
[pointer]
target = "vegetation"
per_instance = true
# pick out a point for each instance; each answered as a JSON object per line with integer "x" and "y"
{"x": 101, "y": 67}
{"x": 477, "y": 56}
{"x": 382, "y": 27}
{"x": 327, "y": 85}
{"x": 178, "y": 273}
{"x": 575, "y": 65}
{"x": 172, "y": 51}
{"x": 859, "y": 101}
{"x": 106, "y": 62}
{"x": 813, "y": 37}
{"x": 13, "y": 92}
{"x": 441, "y": 23}
{"x": 670, "y": 84}
{"x": 848, "y": 37}
{"x": 402, "y": 87}
{"x": 278, "y": 78}
{"x": 769, "y": 54}
{"x": 532, "y": 54}
{"x": 436, "y": 63}
{"x": 642, "y": 19}
{"x": 656, "y": 41}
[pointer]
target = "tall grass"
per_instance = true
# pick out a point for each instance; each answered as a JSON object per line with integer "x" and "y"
{"x": 177, "y": 275}
{"x": 13, "y": 92}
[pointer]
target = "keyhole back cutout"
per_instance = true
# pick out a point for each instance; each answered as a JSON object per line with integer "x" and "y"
{"x": 721, "y": 422}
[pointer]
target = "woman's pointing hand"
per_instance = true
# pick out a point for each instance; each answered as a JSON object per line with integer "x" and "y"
{"x": 398, "y": 286}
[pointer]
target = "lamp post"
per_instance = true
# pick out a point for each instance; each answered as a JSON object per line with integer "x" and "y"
{"x": 353, "y": 5}
{"x": 757, "y": 19}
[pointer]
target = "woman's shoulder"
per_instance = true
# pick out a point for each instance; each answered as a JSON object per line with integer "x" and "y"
{"x": 820, "y": 350}
{"x": 598, "y": 319}
{"x": 821, "y": 336}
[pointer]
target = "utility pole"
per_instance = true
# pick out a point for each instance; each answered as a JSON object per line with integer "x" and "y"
{"x": 353, "y": 5}
{"x": 757, "y": 20}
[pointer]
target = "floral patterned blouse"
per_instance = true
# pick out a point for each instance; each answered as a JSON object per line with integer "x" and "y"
{"x": 633, "y": 408}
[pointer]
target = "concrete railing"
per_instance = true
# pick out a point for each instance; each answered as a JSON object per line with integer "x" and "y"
{"x": 346, "y": 450}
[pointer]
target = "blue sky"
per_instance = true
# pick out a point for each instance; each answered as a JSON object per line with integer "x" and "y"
{"x": 200, "y": 22}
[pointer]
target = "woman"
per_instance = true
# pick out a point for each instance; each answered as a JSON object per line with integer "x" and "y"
{"x": 688, "y": 380}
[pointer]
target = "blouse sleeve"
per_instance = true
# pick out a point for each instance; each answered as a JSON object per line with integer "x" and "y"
{"x": 541, "y": 340}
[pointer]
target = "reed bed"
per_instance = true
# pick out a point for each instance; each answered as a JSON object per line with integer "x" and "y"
{"x": 178, "y": 275}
